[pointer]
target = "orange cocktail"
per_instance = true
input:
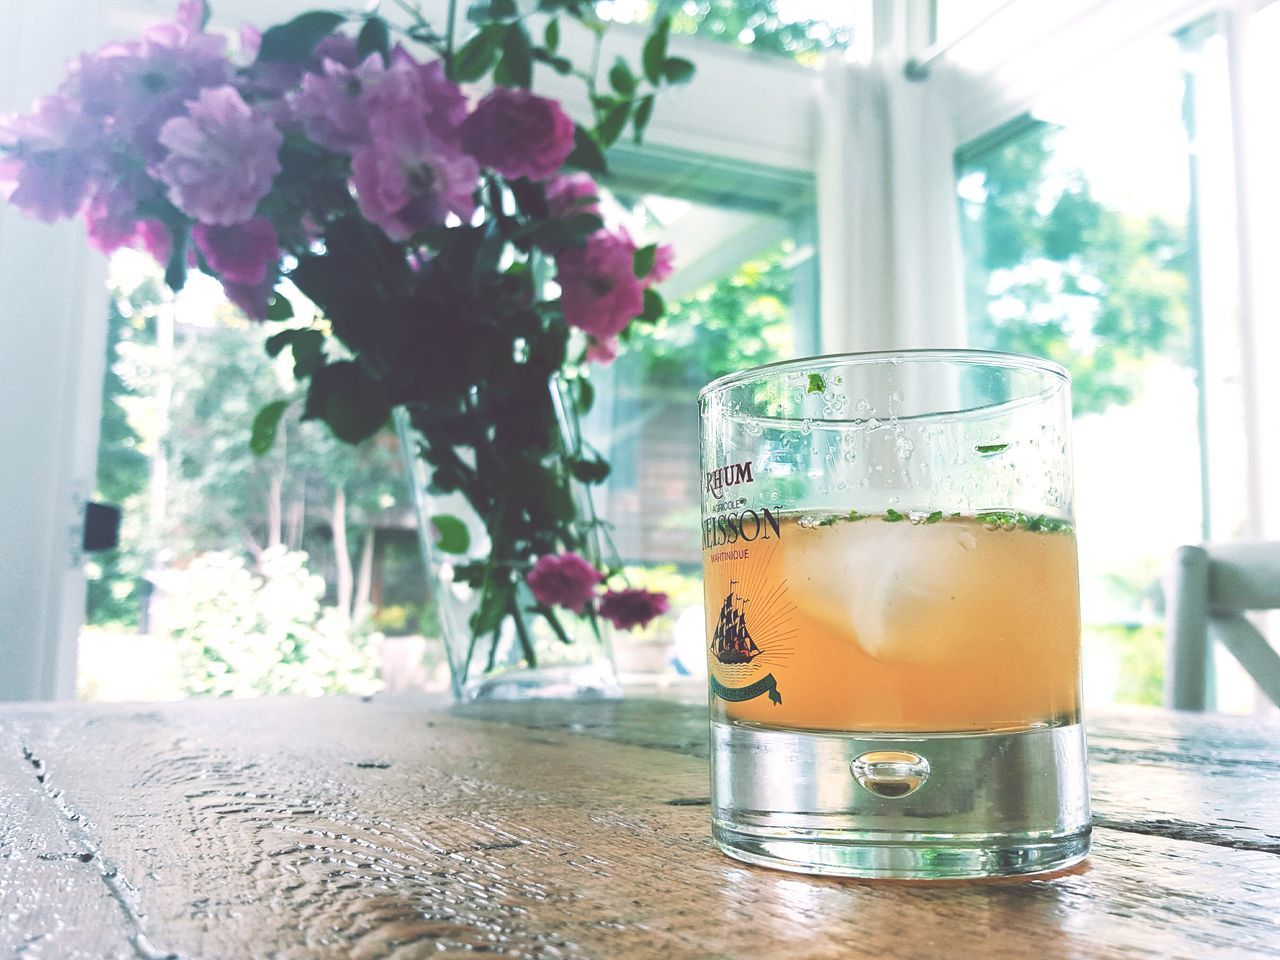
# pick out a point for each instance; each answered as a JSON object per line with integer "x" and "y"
{"x": 924, "y": 623}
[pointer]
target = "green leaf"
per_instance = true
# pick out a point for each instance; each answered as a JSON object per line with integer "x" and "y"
{"x": 990, "y": 448}
{"x": 262, "y": 436}
{"x": 569, "y": 231}
{"x": 375, "y": 37}
{"x": 551, "y": 36}
{"x": 586, "y": 395}
{"x": 893, "y": 516}
{"x": 644, "y": 113}
{"x": 308, "y": 353}
{"x": 655, "y": 51}
{"x": 295, "y": 41}
{"x": 654, "y": 308}
{"x": 279, "y": 307}
{"x": 352, "y": 402}
{"x": 621, "y": 78}
{"x": 642, "y": 261}
{"x": 503, "y": 9}
{"x": 677, "y": 70}
{"x": 175, "y": 272}
{"x": 614, "y": 122}
{"x": 589, "y": 471}
{"x": 277, "y": 342}
{"x": 453, "y": 535}
{"x": 516, "y": 67}
{"x": 935, "y": 517}
{"x": 562, "y": 65}
{"x": 817, "y": 383}
{"x": 586, "y": 154}
{"x": 477, "y": 56}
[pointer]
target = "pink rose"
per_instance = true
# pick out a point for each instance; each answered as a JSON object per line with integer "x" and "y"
{"x": 632, "y": 608}
{"x": 569, "y": 194}
{"x": 330, "y": 105}
{"x": 412, "y": 172}
{"x": 251, "y": 298}
{"x": 244, "y": 254}
{"x": 599, "y": 292}
{"x": 563, "y": 581}
{"x": 664, "y": 263}
{"x": 603, "y": 352}
{"x": 222, "y": 159}
{"x": 519, "y": 134}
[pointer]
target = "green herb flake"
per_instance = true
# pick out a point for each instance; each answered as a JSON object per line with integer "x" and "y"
{"x": 855, "y": 515}
{"x": 990, "y": 448}
{"x": 1023, "y": 521}
{"x": 817, "y": 383}
{"x": 893, "y": 516}
{"x": 829, "y": 521}
{"x": 934, "y": 517}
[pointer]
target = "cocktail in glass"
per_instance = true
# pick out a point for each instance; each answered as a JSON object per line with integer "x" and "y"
{"x": 892, "y": 610}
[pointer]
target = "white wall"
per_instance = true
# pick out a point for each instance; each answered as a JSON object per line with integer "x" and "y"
{"x": 52, "y": 332}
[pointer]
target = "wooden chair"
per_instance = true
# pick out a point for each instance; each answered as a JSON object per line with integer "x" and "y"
{"x": 1207, "y": 589}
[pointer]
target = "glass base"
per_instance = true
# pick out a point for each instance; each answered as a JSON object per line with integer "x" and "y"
{"x": 904, "y": 806}
{"x": 587, "y": 681}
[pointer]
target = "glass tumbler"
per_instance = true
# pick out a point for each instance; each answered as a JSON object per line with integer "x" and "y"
{"x": 893, "y": 616}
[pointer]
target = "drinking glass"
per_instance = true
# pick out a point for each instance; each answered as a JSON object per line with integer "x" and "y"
{"x": 893, "y": 615}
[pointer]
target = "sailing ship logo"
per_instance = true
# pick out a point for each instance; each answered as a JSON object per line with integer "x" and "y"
{"x": 731, "y": 642}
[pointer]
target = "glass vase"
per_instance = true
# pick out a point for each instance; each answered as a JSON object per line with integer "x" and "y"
{"x": 527, "y": 658}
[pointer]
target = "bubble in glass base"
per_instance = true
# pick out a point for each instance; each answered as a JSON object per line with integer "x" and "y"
{"x": 998, "y": 803}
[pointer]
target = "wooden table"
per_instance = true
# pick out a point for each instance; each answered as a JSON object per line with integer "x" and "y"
{"x": 342, "y": 828}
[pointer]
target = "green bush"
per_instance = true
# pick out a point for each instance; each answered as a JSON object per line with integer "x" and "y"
{"x": 243, "y": 633}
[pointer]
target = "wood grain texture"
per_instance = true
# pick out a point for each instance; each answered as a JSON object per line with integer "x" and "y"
{"x": 53, "y": 902}
{"x": 348, "y": 829}
{"x": 1183, "y": 775}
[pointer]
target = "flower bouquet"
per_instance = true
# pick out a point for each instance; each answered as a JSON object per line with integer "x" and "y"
{"x": 450, "y": 237}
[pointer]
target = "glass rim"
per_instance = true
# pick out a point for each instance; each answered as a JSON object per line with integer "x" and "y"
{"x": 992, "y": 358}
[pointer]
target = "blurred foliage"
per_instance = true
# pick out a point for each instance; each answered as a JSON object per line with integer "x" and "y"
{"x": 762, "y": 26}
{"x": 115, "y": 585}
{"x": 245, "y": 632}
{"x": 1054, "y": 273}
{"x": 738, "y": 322}
{"x": 1139, "y": 653}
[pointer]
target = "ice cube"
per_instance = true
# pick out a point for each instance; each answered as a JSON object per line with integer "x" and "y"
{"x": 907, "y": 593}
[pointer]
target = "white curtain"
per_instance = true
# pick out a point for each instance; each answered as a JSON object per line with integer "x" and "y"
{"x": 887, "y": 213}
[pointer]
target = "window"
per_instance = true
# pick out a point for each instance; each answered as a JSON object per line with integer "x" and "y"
{"x": 1100, "y": 231}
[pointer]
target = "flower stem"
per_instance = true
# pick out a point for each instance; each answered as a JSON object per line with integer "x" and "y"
{"x": 451, "y": 16}
{"x": 522, "y": 631}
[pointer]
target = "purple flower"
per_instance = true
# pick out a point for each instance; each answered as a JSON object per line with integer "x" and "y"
{"x": 192, "y": 14}
{"x": 519, "y": 134}
{"x": 632, "y": 608}
{"x": 222, "y": 158}
{"x": 111, "y": 216}
{"x": 332, "y": 105}
{"x": 563, "y": 581}
{"x": 569, "y": 194}
{"x": 136, "y": 86}
{"x": 337, "y": 47}
{"x": 245, "y": 254}
{"x": 412, "y": 172}
{"x": 49, "y": 170}
{"x": 599, "y": 292}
